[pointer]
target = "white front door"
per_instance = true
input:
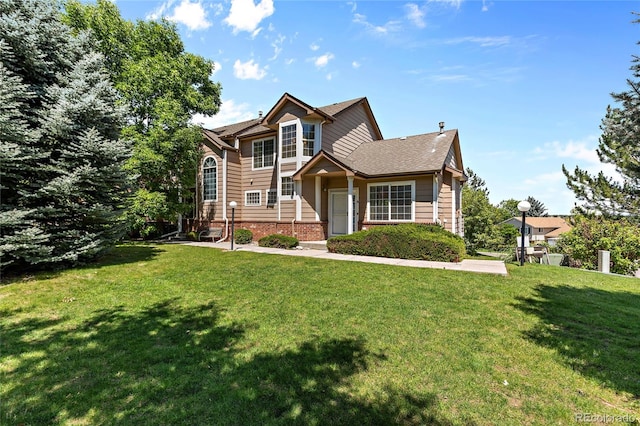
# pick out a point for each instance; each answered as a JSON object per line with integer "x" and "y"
{"x": 338, "y": 216}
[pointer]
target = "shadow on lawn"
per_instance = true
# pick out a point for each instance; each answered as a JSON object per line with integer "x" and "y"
{"x": 598, "y": 332}
{"x": 175, "y": 365}
{"x": 127, "y": 253}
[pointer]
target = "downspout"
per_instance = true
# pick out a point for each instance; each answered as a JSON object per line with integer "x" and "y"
{"x": 224, "y": 197}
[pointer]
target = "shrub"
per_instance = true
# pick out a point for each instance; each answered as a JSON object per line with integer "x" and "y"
{"x": 192, "y": 236}
{"x": 243, "y": 236}
{"x": 278, "y": 241}
{"x": 405, "y": 241}
{"x": 592, "y": 233}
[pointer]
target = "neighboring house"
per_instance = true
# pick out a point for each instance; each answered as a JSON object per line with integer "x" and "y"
{"x": 316, "y": 172}
{"x": 541, "y": 228}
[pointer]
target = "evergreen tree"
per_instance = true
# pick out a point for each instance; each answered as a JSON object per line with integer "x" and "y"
{"x": 619, "y": 145}
{"x": 64, "y": 181}
{"x": 162, "y": 86}
{"x": 537, "y": 209}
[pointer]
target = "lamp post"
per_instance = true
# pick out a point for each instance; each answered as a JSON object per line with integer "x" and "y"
{"x": 524, "y": 207}
{"x": 233, "y": 206}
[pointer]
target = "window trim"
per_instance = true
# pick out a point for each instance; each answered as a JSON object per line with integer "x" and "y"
{"x": 389, "y": 184}
{"x": 315, "y": 139}
{"x": 258, "y": 204}
{"x": 298, "y": 128}
{"x": 253, "y": 148}
{"x": 287, "y": 197}
{"x": 204, "y": 194}
{"x": 271, "y": 190}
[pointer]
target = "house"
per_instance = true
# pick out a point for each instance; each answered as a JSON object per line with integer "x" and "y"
{"x": 315, "y": 172}
{"x": 541, "y": 228}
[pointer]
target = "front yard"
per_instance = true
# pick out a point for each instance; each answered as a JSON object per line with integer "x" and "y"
{"x": 170, "y": 334}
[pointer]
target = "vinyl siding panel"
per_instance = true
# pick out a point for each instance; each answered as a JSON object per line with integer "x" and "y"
{"x": 289, "y": 111}
{"x": 451, "y": 160}
{"x": 288, "y": 167}
{"x": 445, "y": 204}
{"x": 210, "y": 210}
{"x": 287, "y": 210}
{"x": 234, "y": 178}
{"x": 308, "y": 199}
{"x": 256, "y": 180}
{"x": 351, "y": 128}
{"x": 324, "y": 166}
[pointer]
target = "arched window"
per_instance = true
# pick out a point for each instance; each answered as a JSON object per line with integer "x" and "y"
{"x": 210, "y": 179}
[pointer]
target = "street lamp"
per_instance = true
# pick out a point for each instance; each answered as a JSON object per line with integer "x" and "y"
{"x": 233, "y": 206}
{"x": 524, "y": 207}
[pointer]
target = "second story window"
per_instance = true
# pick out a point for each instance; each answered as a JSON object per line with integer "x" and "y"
{"x": 288, "y": 141}
{"x": 210, "y": 179}
{"x": 263, "y": 153}
{"x": 308, "y": 139}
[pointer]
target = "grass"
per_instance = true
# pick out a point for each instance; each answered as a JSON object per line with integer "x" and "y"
{"x": 170, "y": 334}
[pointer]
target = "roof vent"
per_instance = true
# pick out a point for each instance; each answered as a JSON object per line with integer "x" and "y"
{"x": 259, "y": 114}
{"x": 403, "y": 138}
{"x": 441, "y": 124}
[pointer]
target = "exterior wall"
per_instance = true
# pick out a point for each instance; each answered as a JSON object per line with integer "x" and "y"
{"x": 303, "y": 231}
{"x": 445, "y": 202}
{"x": 308, "y": 199}
{"x": 351, "y": 128}
{"x": 256, "y": 180}
{"x": 288, "y": 112}
{"x": 210, "y": 210}
{"x": 451, "y": 160}
{"x": 234, "y": 178}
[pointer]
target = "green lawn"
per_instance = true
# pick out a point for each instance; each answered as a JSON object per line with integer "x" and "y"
{"x": 178, "y": 335}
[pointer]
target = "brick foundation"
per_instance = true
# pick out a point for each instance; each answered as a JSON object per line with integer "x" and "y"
{"x": 303, "y": 231}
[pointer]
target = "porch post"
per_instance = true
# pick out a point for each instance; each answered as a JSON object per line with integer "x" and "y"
{"x": 318, "y": 197}
{"x": 349, "y": 204}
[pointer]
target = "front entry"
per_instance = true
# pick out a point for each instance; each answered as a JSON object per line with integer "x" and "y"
{"x": 338, "y": 216}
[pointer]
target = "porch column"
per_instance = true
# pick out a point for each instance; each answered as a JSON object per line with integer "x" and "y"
{"x": 318, "y": 197}
{"x": 349, "y": 205}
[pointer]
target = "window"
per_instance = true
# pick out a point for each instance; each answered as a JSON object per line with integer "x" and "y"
{"x": 308, "y": 139}
{"x": 288, "y": 141}
{"x": 287, "y": 186}
{"x": 252, "y": 198}
{"x": 391, "y": 202}
{"x": 210, "y": 179}
{"x": 272, "y": 197}
{"x": 263, "y": 153}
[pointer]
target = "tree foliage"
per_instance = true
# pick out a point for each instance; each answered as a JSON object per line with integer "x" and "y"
{"x": 591, "y": 233}
{"x": 63, "y": 184}
{"x": 537, "y": 209}
{"x": 162, "y": 86}
{"x": 619, "y": 145}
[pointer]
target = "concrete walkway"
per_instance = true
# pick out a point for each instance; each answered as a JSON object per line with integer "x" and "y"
{"x": 469, "y": 265}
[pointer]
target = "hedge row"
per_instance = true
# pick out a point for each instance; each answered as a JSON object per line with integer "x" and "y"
{"x": 404, "y": 241}
{"x": 278, "y": 241}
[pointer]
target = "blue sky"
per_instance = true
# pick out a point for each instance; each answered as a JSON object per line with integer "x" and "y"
{"x": 526, "y": 83}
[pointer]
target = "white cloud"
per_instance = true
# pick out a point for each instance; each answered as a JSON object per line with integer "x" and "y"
{"x": 329, "y": 76}
{"x": 497, "y": 41}
{"x": 415, "y": 14}
{"x": 229, "y": 113}
{"x": 217, "y": 66}
{"x": 355, "y": 64}
{"x": 289, "y": 61}
{"x": 245, "y": 15}
{"x": 188, "y": 13}
{"x": 248, "y": 70}
{"x": 323, "y": 60}
{"x": 387, "y": 28}
{"x": 314, "y": 47}
{"x": 277, "y": 46}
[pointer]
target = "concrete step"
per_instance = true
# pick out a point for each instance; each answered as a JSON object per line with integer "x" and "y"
{"x": 314, "y": 245}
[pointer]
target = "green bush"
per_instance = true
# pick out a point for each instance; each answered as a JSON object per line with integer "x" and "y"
{"x": 243, "y": 236}
{"x": 278, "y": 241}
{"x": 192, "y": 236}
{"x": 592, "y": 233}
{"x": 404, "y": 241}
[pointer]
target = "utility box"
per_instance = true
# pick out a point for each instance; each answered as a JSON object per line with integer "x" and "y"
{"x": 604, "y": 259}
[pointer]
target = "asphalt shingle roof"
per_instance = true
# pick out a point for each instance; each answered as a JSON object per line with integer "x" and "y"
{"x": 419, "y": 153}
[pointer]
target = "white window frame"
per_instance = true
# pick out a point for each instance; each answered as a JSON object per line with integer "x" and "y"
{"x": 247, "y": 203}
{"x": 316, "y": 127}
{"x": 262, "y": 142}
{"x": 271, "y": 191}
{"x": 392, "y": 183}
{"x": 298, "y": 140}
{"x": 204, "y": 194}
{"x": 293, "y": 188}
